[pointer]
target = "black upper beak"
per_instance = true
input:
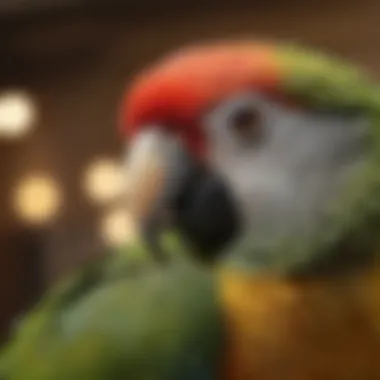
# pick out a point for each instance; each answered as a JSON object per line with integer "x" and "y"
{"x": 205, "y": 213}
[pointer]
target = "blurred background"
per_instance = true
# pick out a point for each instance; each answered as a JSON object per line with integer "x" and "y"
{"x": 63, "y": 67}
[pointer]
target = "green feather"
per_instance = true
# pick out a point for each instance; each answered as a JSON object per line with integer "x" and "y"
{"x": 324, "y": 81}
{"x": 120, "y": 317}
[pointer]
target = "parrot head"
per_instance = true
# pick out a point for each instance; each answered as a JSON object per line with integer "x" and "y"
{"x": 245, "y": 144}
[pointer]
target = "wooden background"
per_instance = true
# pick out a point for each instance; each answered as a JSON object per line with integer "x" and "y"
{"x": 75, "y": 59}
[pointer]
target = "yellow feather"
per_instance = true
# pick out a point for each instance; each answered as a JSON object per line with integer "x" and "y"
{"x": 280, "y": 329}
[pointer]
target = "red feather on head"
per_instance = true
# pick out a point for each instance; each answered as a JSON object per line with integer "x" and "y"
{"x": 175, "y": 92}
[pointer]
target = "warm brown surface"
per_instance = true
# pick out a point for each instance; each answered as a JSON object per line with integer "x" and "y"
{"x": 20, "y": 275}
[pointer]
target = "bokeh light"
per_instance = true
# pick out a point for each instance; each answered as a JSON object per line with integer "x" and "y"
{"x": 103, "y": 180}
{"x": 37, "y": 199}
{"x": 117, "y": 227}
{"x": 17, "y": 114}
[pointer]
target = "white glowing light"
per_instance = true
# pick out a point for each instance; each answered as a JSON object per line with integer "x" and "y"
{"x": 117, "y": 227}
{"x": 37, "y": 199}
{"x": 17, "y": 114}
{"x": 103, "y": 180}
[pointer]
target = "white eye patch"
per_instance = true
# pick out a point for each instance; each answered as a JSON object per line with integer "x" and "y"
{"x": 303, "y": 161}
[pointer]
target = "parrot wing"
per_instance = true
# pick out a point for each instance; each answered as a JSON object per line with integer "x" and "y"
{"x": 119, "y": 318}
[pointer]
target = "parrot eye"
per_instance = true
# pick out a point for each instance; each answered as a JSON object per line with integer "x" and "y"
{"x": 245, "y": 122}
{"x": 239, "y": 120}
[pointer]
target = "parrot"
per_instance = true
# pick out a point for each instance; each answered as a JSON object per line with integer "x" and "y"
{"x": 257, "y": 163}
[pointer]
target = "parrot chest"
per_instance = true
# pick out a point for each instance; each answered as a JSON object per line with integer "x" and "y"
{"x": 277, "y": 329}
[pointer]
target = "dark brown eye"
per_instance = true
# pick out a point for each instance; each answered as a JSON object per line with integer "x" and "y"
{"x": 245, "y": 122}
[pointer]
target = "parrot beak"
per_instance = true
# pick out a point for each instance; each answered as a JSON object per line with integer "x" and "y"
{"x": 168, "y": 187}
{"x": 145, "y": 168}
{"x": 156, "y": 165}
